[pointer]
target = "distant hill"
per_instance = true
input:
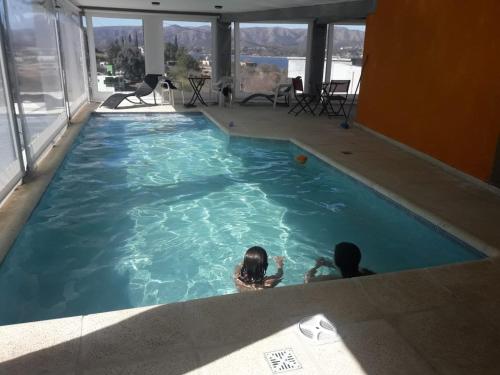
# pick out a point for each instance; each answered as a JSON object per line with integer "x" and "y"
{"x": 265, "y": 41}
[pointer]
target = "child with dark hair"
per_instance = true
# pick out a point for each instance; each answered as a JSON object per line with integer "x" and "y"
{"x": 251, "y": 274}
{"x": 346, "y": 259}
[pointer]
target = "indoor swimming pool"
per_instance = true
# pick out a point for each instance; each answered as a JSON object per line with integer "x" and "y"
{"x": 159, "y": 208}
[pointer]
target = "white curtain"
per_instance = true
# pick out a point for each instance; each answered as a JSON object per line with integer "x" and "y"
{"x": 10, "y": 167}
{"x": 72, "y": 47}
{"x": 35, "y": 61}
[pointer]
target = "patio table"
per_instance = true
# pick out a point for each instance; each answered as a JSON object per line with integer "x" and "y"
{"x": 197, "y": 84}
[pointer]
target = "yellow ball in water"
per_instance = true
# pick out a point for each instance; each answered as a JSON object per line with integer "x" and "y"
{"x": 301, "y": 159}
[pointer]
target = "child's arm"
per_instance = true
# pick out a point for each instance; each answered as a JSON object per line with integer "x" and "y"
{"x": 237, "y": 271}
{"x": 311, "y": 274}
{"x": 272, "y": 281}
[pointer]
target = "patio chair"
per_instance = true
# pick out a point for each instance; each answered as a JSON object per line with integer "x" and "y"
{"x": 281, "y": 91}
{"x": 303, "y": 99}
{"x": 147, "y": 87}
{"x": 224, "y": 88}
{"x": 168, "y": 87}
{"x": 336, "y": 93}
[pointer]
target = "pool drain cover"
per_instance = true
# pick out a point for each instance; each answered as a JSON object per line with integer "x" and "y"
{"x": 282, "y": 360}
{"x": 318, "y": 330}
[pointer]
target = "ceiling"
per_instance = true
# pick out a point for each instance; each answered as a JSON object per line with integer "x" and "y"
{"x": 203, "y": 6}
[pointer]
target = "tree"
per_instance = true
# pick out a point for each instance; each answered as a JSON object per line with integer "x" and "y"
{"x": 170, "y": 52}
{"x": 183, "y": 62}
{"x": 131, "y": 62}
{"x": 185, "y": 59}
{"x": 113, "y": 50}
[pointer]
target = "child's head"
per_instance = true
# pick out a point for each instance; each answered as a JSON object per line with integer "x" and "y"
{"x": 347, "y": 257}
{"x": 254, "y": 265}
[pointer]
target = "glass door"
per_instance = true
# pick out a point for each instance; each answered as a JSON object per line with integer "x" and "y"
{"x": 346, "y": 44}
{"x": 270, "y": 54}
{"x": 119, "y": 63}
{"x": 188, "y": 52}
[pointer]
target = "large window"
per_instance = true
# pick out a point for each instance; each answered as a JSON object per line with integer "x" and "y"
{"x": 73, "y": 57}
{"x": 35, "y": 61}
{"x": 188, "y": 51}
{"x": 119, "y": 52}
{"x": 270, "y": 54}
{"x": 347, "y": 53}
{"x": 10, "y": 167}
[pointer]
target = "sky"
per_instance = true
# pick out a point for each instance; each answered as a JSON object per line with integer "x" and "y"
{"x": 99, "y": 21}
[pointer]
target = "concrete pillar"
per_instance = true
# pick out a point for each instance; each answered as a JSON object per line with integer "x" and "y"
{"x": 329, "y": 52}
{"x": 316, "y": 56}
{"x": 222, "y": 49}
{"x": 154, "y": 44}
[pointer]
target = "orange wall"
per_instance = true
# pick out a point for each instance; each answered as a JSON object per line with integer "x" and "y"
{"x": 432, "y": 79}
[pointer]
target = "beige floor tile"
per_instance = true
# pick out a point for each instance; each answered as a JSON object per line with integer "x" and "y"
{"x": 470, "y": 282}
{"x": 403, "y": 292}
{"x": 250, "y": 359}
{"x": 449, "y": 275}
{"x": 342, "y": 301}
{"x": 455, "y": 340}
{"x": 176, "y": 363}
{"x": 371, "y": 348}
{"x": 489, "y": 310}
{"x": 239, "y": 319}
{"x": 252, "y": 316}
{"x": 481, "y": 271}
{"x": 132, "y": 336}
{"x": 47, "y": 347}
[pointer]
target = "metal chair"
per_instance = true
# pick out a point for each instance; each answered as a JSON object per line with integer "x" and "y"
{"x": 336, "y": 92}
{"x": 303, "y": 99}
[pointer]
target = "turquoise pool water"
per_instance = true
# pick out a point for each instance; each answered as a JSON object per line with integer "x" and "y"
{"x": 160, "y": 208}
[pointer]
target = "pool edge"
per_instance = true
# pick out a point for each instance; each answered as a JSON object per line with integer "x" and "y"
{"x": 22, "y": 201}
{"x": 474, "y": 242}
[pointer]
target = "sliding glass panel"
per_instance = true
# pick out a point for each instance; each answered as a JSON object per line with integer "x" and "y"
{"x": 347, "y": 57}
{"x": 119, "y": 49}
{"x": 271, "y": 54}
{"x": 35, "y": 60}
{"x": 73, "y": 58}
{"x": 10, "y": 168}
{"x": 188, "y": 52}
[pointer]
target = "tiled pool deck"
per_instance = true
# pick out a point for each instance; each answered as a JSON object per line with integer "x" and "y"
{"x": 441, "y": 320}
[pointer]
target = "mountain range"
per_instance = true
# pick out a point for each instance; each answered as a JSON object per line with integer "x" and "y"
{"x": 265, "y": 41}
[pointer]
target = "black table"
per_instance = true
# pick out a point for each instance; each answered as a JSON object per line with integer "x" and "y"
{"x": 197, "y": 84}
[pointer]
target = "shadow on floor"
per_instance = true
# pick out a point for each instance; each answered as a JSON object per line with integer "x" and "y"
{"x": 166, "y": 339}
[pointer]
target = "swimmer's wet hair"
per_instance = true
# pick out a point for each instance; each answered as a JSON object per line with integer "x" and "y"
{"x": 254, "y": 266}
{"x": 347, "y": 257}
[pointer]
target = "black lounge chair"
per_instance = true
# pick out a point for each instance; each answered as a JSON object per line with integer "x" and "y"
{"x": 281, "y": 91}
{"x": 146, "y": 88}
